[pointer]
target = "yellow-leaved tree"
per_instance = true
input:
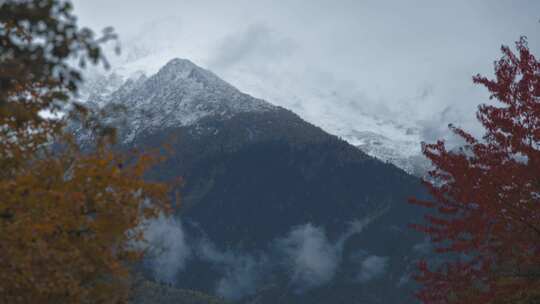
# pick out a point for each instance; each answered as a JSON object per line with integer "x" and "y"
{"x": 67, "y": 218}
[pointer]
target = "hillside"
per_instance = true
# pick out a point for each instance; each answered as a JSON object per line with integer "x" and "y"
{"x": 272, "y": 207}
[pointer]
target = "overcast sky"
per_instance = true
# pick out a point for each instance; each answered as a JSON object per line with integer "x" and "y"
{"x": 401, "y": 60}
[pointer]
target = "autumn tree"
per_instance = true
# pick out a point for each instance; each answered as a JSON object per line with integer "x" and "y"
{"x": 486, "y": 196}
{"x": 67, "y": 219}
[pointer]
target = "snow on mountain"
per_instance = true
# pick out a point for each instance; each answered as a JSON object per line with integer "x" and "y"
{"x": 188, "y": 93}
{"x": 384, "y": 139}
{"x": 391, "y": 140}
{"x": 179, "y": 94}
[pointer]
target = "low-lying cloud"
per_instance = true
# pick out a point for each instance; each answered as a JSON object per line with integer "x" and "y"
{"x": 168, "y": 249}
{"x": 306, "y": 255}
{"x": 313, "y": 258}
{"x": 241, "y": 272}
{"x": 241, "y": 278}
{"x": 372, "y": 267}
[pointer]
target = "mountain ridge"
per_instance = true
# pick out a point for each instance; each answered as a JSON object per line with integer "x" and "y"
{"x": 260, "y": 179}
{"x": 402, "y": 152}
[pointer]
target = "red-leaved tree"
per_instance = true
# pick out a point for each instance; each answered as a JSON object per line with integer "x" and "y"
{"x": 486, "y": 196}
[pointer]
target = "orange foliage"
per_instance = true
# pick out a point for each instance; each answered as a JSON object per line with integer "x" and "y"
{"x": 66, "y": 223}
{"x": 68, "y": 219}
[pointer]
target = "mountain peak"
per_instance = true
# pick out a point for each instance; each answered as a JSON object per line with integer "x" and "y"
{"x": 180, "y": 94}
{"x": 179, "y": 70}
{"x": 180, "y": 64}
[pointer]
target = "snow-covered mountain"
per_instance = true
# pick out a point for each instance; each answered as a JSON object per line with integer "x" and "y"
{"x": 186, "y": 94}
{"x": 390, "y": 138}
{"x": 264, "y": 191}
{"x": 186, "y": 99}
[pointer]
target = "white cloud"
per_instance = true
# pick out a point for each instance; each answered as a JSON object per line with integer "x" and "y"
{"x": 400, "y": 62}
{"x": 257, "y": 44}
{"x": 241, "y": 278}
{"x": 314, "y": 260}
{"x": 311, "y": 258}
{"x": 423, "y": 248}
{"x": 372, "y": 267}
{"x": 168, "y": 249}
{"x": 242, "y": 272}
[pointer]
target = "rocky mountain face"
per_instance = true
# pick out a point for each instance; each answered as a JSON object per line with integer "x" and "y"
{"x": 273, "y": 209}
